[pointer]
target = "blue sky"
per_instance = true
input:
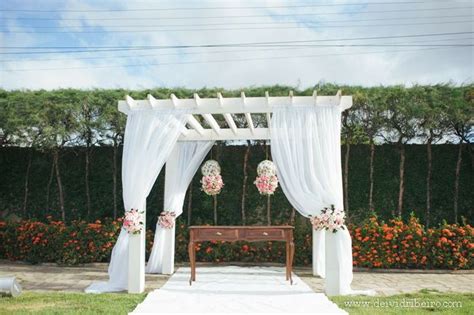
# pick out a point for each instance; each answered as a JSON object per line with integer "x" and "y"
{"x": 87, "y": 24}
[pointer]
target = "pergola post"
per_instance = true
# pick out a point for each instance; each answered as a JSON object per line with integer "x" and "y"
{"x": 136, "y": 261}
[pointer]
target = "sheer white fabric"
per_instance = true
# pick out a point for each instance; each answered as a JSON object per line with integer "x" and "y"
{"x": 182, "y": 165}
{"x": 305, "y": 144}
{"x": 149, "y": 139}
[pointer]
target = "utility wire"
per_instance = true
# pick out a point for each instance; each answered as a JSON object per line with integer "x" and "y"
{"x": 250, "y": 23}
{"x": 258, "y": 49}
{"x": 211, "y": 61}
{"x": 236, "y": 16}
{"x": 219, "y": 8}
{"x": 237, "y": 29}
{"x": 101, "y": 48}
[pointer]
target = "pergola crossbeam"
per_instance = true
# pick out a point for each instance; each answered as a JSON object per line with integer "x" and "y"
{"x": 230, "y": 122}
{"x": 212, "y": 122}
{"x": 194, "y": 123}
{"x": 248, "y": 117}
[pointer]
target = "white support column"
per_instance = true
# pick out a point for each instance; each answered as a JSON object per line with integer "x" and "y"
{"x": 136, "y": 260}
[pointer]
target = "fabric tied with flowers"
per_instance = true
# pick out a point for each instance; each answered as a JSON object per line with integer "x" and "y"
{"x": 166, "y": 219}
{"x": 330, "y": 219}
{"x": 133, "y": 221}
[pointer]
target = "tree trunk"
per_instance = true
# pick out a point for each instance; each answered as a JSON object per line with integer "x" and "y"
{"x": 86, "y": 179}
{"x": 401, "y": 189}
{"x": 456, "y": 182}
{"x": 60, "y": 186}
{"x": 27, "y": 179}
{"x": 244, "y": 183}
{"x": 114, "y": 179}
{"x": 50, "y": 181}
{"x": 190, "y": 202}
{"x": 371, "y": 176}
{"x": 428, "y": 180}
{"x": 215, "y": 208}
{"x": 346, "y": 178}
{"x": 269, "y": 206}
{"x": 292, "y": 216}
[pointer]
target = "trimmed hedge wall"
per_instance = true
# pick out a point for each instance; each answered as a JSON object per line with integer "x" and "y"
{"x": 13, "y": 166}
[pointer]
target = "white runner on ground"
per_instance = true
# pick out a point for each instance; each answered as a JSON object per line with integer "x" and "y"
{"x": 233, "y": 289}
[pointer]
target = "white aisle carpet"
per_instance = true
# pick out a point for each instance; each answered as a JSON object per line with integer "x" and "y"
{"x": 234, "y": 289}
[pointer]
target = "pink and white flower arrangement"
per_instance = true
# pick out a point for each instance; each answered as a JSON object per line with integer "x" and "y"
{"x": 331, "y": 219}
{"x": 266, "y": 167}
{"x": 133, "y": 221}
{"x": 266, "y": 184}
{"x": 211, "y": 181}
{"x": 211, "y": 167}
{"x": 212, "y": 184}
{"x": 166, "y": 219}
{"x": 266, "y": 181}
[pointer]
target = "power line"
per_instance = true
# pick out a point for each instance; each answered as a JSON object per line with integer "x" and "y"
{"x": 236, "y": 29}
{"x": 258, "y": 49}
{"x": 218, "y": 8}
{"x": 238, "y": 16}
{"x": 252, "y": 23}
{"x": 213, "y": 61}
{"x": 92, "y": 48}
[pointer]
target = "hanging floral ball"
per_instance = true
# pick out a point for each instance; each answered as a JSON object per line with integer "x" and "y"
{"x": 266, "y": 168}
{"x": 266, "y": 184}
{"x": 212, "y": 184}
{"x": 211, "y": 167}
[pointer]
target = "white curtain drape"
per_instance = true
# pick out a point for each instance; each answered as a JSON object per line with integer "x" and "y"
{"x": 150, "y": 137}
{"x": 183, "y": 164}
{"x": 305, "y": 144}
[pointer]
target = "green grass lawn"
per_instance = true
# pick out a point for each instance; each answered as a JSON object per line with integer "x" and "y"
{"x": 423, "y": 302}
{"x": 69, "y": 303}
{"x": 81, "y": 303}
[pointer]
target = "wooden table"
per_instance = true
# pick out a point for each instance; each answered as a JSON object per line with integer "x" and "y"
{"x": 241, "y": 233}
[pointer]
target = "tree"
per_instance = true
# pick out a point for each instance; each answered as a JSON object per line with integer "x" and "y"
{"x": 369, "y": 110}
{"x": 401, "y": 124}
{"x": 351, "y": 133}
{"x": 112, "y": 133}
{"x": 433, "y": 128}
{"x": 460, "y": 112}
{"x": 59, "y": 127}
{"x": 89, "y": 116}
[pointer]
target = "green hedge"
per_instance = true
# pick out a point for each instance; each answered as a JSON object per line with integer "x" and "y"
{"x": 13, "y": 165}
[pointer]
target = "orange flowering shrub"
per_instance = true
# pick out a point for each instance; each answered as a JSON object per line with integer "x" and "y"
{"x": 409, "y": 245}
{"x": 53, "y": 241}
{"x": 375, "y": 244}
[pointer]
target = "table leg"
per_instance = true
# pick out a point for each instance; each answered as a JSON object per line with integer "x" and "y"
{"x": 292, "y": 255}
{"x": 288, "y": 253}
{"x": 192, "y": 262}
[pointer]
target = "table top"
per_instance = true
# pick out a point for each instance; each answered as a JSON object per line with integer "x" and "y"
{"x": 241, "y": 227}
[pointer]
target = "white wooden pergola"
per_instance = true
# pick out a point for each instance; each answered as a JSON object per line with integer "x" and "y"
{"x": 195, "y": 131}
{"x": 207, "y": 107}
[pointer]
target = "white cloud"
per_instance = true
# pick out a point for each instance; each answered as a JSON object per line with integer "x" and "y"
{"x": 391, "y": 67}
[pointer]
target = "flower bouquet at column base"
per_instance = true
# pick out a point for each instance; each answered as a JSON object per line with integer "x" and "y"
{"x": 167, "y": 219}
{"x": 133, "y": 221}
{"x": 330, "y": 219}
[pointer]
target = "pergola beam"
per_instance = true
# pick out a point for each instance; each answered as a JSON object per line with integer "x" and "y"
{"x": 206, "y": 107}
{"x": 235, "y": 105}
